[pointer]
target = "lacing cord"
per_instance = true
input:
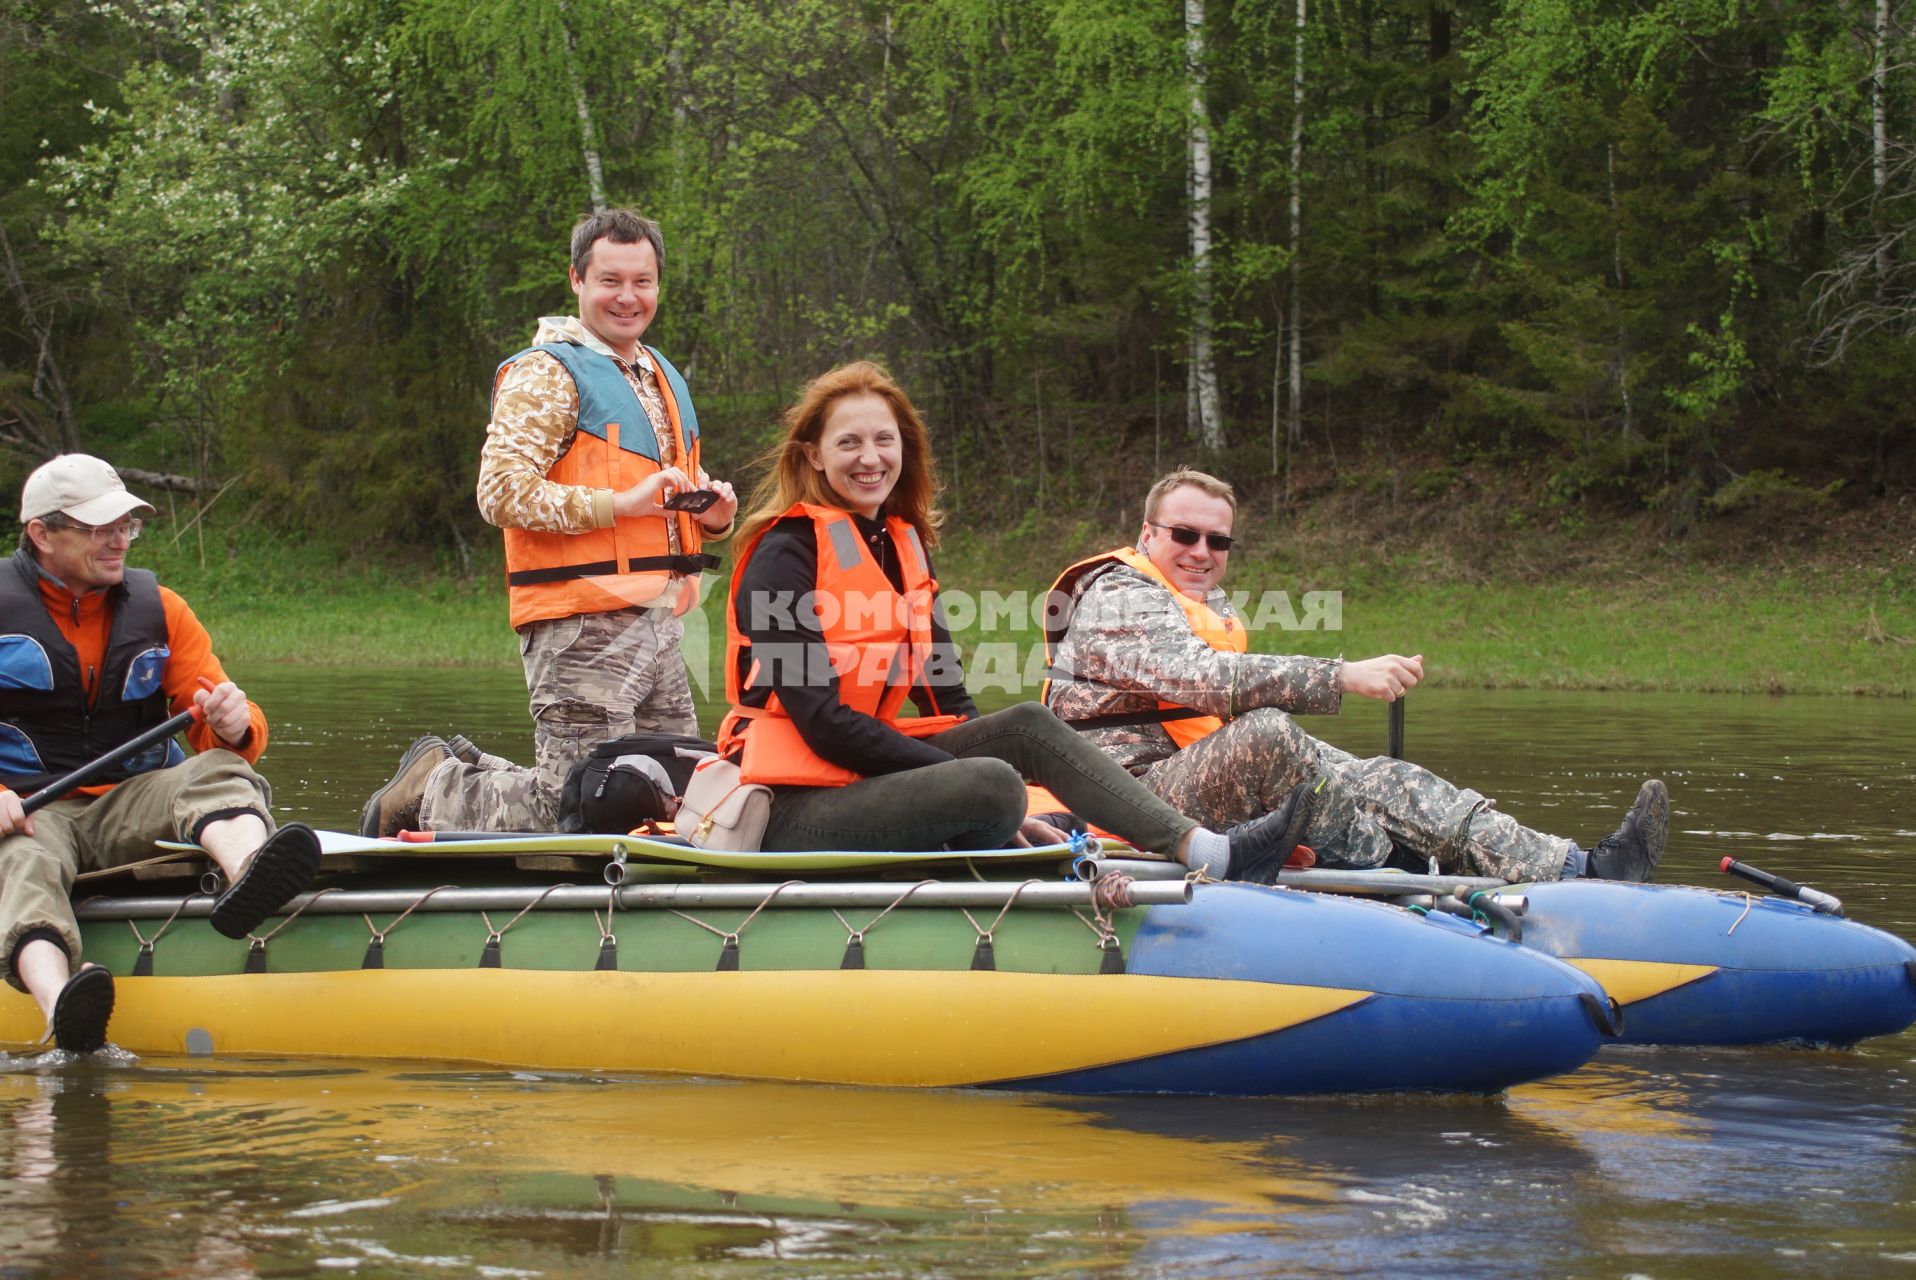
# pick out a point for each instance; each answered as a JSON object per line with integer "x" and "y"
{"x": 858, "y": 935}
{"x": 259, "y": 941}
{"x": 146, "y": 943}
{"x": 1112, "y": 891}
{"x": 606, "y": 936}
{"x": 379, "y": 935}
{"x": 987, "y": 935}
{"x": 728, "y": 954}
{"x": 1109, "y": 893}
{"x": 496, "y": 935}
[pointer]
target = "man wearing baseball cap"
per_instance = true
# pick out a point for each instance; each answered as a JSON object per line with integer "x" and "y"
{"x": 92, "y": 654}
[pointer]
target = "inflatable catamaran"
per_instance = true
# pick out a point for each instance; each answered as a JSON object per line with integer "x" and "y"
{"x": 1087, "y": 970}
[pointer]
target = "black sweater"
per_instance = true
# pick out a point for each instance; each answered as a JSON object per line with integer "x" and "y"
{"x": 789, "y": 647}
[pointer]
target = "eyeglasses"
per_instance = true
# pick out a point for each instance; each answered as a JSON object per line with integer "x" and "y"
{"x": 1189, "y": 537}
{"x": 100, "y": 533}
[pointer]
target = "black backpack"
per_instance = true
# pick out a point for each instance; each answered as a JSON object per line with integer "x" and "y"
{"x": 628, "y": 781}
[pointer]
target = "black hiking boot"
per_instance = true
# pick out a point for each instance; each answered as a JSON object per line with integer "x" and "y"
{"x": 1261, "y": 846}
{"x": 81, "y": 1011}
{"x": 279, "y": 871}
{"x": 1634, "y": 849}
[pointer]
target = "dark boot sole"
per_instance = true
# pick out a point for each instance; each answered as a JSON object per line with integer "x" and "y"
{"x": 82, "y": 1011}
{"x": 282, "y": 869}
{"x": 1653, "y": 822}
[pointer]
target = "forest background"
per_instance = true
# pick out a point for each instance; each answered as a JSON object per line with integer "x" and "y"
{"x": 1572, "y": 338}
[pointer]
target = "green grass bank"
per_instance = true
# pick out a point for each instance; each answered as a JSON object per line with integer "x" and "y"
{"x": 1816, "y": 625}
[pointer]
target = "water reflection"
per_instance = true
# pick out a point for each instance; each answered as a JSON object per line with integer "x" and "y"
{"x": 284, "y": 1168}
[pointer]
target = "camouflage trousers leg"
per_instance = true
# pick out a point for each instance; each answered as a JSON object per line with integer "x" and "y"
{"x": 592, "y": 677}
{"x": 1367, "y": 806}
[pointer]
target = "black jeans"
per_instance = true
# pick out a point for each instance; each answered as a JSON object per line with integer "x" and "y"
{"x": 978, "y": 800}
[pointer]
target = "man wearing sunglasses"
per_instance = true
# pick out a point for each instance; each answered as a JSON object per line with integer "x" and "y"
{"x": 1150, "y": 660}
{"x": 93, "y": 654}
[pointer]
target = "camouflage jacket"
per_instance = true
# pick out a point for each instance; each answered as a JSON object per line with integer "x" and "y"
{"x": 1128, "y": 646}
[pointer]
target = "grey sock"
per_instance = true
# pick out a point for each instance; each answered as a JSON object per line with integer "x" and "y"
{"x": 1208, "y": 852}
{"x": 1575, "y": 863}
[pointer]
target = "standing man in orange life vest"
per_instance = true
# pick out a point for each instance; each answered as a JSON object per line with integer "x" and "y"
{"x": 593, "y": 434}
{"x": 1151, "y": 661}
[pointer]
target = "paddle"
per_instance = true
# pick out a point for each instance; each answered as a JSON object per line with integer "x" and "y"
{"x": 1396, "y": 751}
{"x": 1783, "y": 887}
{"x": 94, "y": 768}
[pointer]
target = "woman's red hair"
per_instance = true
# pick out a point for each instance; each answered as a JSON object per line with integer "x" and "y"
{"x": 792, "y": 478}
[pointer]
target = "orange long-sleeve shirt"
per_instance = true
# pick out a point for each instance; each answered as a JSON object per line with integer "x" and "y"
{"x": 85, "y": 623}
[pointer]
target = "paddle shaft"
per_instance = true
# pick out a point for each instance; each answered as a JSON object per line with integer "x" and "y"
{"x": 1397, "y": 727}
{"x": 94, "y": 768}
{"x": 1783, "y": 887}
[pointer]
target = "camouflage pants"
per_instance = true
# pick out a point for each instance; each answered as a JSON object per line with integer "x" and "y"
{"x": 592, "y": 677}
{"x": 1249, "y": 766}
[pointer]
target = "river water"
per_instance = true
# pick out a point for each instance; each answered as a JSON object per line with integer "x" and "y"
{"x": 1647, "y": 1162}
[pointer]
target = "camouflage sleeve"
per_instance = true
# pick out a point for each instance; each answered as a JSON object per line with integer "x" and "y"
{"x": 533, "y": 417}
{"x": 1128, "y": 633}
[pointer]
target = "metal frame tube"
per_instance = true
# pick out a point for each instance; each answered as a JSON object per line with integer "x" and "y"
{"x": 640, "y": 897}
{"x": 1388, "y": 884}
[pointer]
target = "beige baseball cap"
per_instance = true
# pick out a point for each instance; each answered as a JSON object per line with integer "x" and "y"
{"x": 80, "y": 487}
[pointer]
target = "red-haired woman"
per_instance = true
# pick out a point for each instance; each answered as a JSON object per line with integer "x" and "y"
{"x": 834, "y": 622}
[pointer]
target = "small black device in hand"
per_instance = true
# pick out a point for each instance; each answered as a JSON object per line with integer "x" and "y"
{"x": 692, "y": 500}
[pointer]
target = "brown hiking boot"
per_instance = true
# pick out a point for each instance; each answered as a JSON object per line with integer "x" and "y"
{"x": 395, "y": 807}
{"x": 463, "y": 748}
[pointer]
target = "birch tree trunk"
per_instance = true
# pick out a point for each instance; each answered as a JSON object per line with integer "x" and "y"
{"x": 1202, "y": 395}
{"x": 1296, "y": 424}
{"x": 588, "y": 139}
{"x": 1879, "y": 131}
{"x": 42, "y": 421}
{"x": 1616, "y": 262}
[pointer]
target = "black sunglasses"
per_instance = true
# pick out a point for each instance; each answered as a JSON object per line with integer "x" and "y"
{"x": 1189, "y": 537}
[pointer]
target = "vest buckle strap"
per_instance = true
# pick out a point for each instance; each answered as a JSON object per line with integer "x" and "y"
{"x": 685, "y": 565}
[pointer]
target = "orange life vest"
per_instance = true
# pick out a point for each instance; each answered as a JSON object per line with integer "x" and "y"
{"x": 1226, "y": 635}
{"x": 877, "y": 636}
{"x": 557, "y": 575}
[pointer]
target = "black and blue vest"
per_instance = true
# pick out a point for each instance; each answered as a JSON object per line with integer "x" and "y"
{"x": 47, "y": 727}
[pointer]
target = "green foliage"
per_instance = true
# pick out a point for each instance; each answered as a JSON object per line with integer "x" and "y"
{"x": 1756, "y": 488}
{"x": 280, "y": 245}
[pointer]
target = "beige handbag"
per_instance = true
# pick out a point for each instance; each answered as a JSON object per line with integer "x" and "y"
{"x": 720, "y": 811}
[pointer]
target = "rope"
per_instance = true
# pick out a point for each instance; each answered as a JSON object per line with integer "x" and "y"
{"x": 494, "y": 935}
{"x": 1748, "y": 902}
{"x": 851, "y": 935}
{"x": 985, "y": 935}
{"x": 732, "y": 937}
{"x": 1112, "y": 891}
{"x": 379, "y": 935}
{"x": 146, "y": 944}
{"x": 263, "y": 939}
{"x": 858, "y": 935}
{"x": 1097, "y": 925}
{"x": 605, "y": 925}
